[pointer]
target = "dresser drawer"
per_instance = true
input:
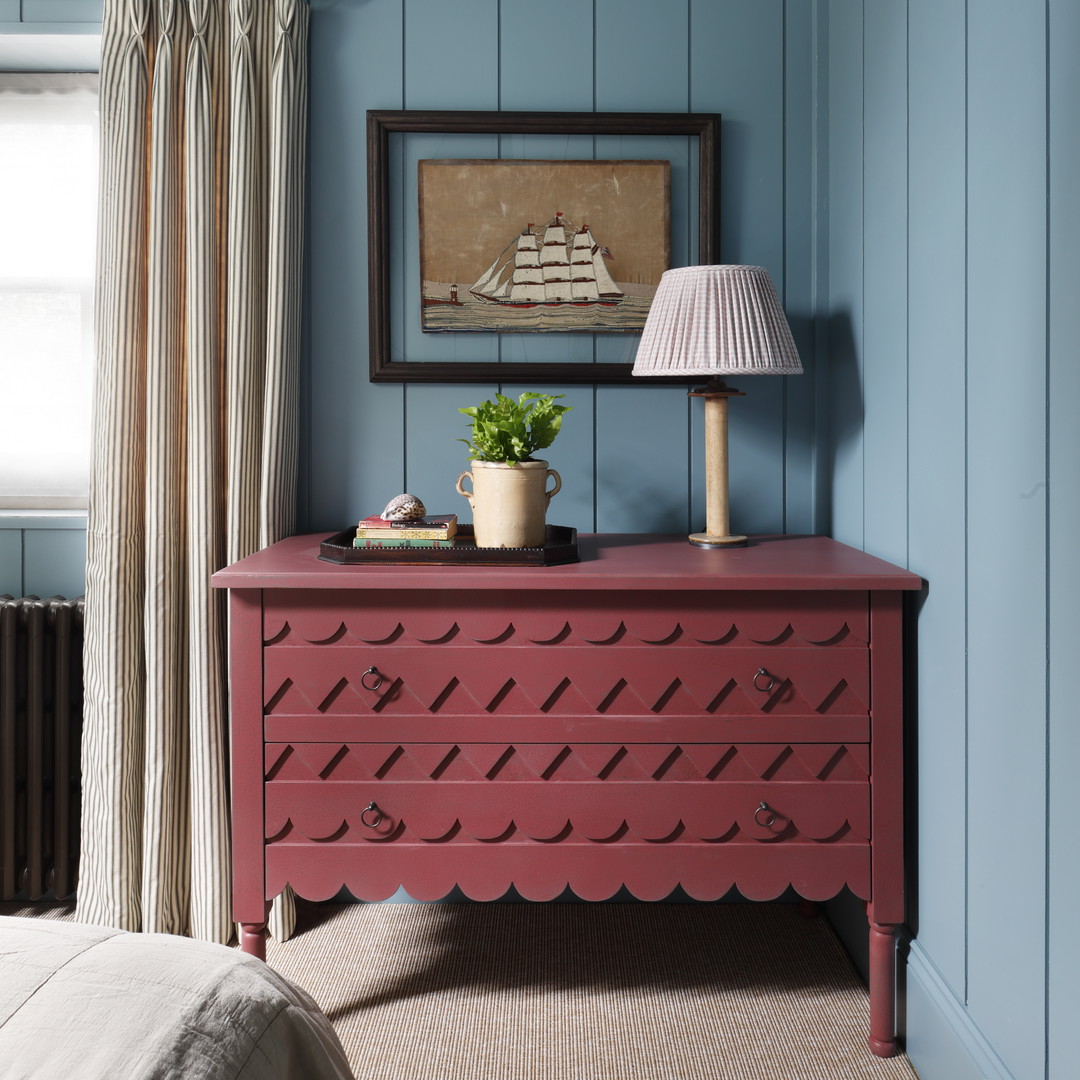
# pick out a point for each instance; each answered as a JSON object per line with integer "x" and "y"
{"x": 391, "y": 680}
{"x": 380, "y": 793}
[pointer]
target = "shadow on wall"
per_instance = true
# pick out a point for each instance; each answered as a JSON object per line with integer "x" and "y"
{"x": 841, "y": 408}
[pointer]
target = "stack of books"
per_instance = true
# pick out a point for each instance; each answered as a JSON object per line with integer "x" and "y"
{"x": 433, "y": 531}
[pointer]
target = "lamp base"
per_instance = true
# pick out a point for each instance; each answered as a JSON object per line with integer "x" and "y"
{"x": 707, "y": 540}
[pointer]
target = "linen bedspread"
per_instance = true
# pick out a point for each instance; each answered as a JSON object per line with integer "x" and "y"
{"x": 82, "y": 1002}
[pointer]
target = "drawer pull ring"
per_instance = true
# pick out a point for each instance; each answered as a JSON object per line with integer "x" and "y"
{"x": 764, "y": 808}
{"x": 769, "y": 683}
{"x": 371, "y": 679}
{"x": 376, "y": 820}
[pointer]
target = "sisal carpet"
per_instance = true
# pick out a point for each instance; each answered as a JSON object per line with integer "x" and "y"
{"x": 585, "y": 992}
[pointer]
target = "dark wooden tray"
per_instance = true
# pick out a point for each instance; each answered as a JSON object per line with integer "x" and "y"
{"x": 560, "y": 546}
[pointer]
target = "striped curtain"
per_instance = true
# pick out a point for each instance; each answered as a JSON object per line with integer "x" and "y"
{"x": 203, "y": 115}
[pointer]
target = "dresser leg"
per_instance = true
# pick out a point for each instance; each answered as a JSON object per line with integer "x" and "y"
{"x": 253, "y": 939}
{"x": 882, "y": 1039}
{"x": 253, "y": 935}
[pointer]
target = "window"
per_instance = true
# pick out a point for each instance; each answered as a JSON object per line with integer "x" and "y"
{"x": 48, "y": 220}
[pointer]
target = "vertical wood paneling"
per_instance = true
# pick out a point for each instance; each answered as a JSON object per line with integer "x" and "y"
{"x": 11, "y": 570}
{"x": 641, "y": 51}
{"x": 452, "y": 54}
{"x": 642, "y": 484}
{"x": 1006, "y": 499}
{"x": 937, "y": 461}
{"x": 642, "y": 433}
{"x": 728, "y": 76}
{"x": 355, "y": 430}
{"x": 522, "y": 28}
{"x": 843, "y": 361}
{"x": 1064, "y": 524}
{"x": 991, "y": 503}
{"x": 884, "y": 342}
{"x": 54, "y": 562}
{"x": 434, "y": 457}
{"x": 803, "y": 238}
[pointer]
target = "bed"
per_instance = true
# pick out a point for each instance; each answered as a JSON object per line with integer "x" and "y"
{"x": 83, "y": 1002}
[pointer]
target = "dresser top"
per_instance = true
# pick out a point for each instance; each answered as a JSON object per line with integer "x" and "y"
{"x": 608, "y": 561}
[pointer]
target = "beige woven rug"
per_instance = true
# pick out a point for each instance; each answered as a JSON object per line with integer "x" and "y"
{"x": 585, "y": 992}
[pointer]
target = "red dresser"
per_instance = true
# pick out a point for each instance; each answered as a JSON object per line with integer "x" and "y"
{"x": 655, "y": 715}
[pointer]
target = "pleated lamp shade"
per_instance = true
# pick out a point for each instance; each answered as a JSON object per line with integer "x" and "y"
{"x": 716, "y": 320}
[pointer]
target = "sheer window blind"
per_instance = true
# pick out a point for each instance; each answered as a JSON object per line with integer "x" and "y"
{"x": 48, "y": 219}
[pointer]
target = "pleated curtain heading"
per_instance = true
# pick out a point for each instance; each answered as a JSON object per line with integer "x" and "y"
{"x": 198, "y": 299}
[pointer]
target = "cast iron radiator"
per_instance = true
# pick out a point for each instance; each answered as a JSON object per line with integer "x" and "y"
{"x": 40, "y": 731}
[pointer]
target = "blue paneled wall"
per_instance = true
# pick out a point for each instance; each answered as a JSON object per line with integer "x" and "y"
{"x": 954, "y": 161}
{"x": 630, "y": 457}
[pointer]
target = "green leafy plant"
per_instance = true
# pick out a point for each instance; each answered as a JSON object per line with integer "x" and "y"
{"x": 509, "y": 431}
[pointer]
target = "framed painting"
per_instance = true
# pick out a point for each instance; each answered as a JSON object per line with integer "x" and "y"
{"x": 471, "y": 254}
{"x": 496, "y": 256}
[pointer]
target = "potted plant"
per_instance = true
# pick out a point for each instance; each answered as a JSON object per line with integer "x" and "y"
{"x": 509, "y": 496}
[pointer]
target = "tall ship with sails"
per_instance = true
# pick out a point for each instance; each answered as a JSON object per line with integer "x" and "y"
{"x": 562, "y": 265}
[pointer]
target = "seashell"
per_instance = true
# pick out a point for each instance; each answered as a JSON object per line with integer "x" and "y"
{"x": 403, "y": 508}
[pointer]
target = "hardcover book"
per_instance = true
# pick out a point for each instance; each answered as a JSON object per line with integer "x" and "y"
{"x": 392, "y": 535}
{"x": 443, "y": 522}
{"x": 401, "y": 542}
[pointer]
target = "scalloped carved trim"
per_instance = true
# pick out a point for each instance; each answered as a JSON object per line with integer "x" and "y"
{"x": 827, "y": 619}
{"x": 545, "y": 873}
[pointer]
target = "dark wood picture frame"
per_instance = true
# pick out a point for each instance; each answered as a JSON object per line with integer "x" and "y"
{"x": 380, "y": 124}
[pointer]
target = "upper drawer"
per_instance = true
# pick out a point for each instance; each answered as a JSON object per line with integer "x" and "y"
{"x": 628, "y": 619}
{"x": 358, "y": 679}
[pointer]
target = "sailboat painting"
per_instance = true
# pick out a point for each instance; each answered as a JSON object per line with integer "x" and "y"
{"x": 539, "y": 246}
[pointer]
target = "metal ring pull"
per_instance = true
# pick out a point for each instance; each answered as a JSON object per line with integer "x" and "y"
{"x": 375, "y": 683}
{"x": 371, "y": 808}
{"x": 762, "y": 673}
{"x": 768, "y": 810}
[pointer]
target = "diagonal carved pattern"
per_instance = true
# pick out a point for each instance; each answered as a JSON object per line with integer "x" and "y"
{"x": 566, "y": 762}
{"x": 566, "y": 681}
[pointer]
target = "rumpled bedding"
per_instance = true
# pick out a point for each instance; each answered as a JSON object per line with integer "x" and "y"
{"x": 82, "y": 1002}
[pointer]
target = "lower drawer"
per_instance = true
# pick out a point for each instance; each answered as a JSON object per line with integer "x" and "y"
{"x": 494, "y": 793}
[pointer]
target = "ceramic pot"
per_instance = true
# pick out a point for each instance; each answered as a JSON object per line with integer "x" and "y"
{"x": 509, "y": 502}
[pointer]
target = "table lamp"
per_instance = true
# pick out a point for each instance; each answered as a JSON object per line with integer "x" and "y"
{"x": 716, "y": 320}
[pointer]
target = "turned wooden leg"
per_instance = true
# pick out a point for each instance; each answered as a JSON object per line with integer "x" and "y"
{"x": 882, "y": 1039}
{"x": 253, "y": 934}
{"x": 253, "y": 939}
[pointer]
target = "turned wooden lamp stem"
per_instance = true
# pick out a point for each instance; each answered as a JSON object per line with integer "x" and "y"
{"x": 717, "y": 517}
